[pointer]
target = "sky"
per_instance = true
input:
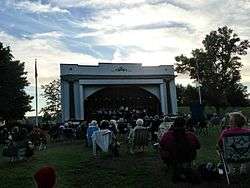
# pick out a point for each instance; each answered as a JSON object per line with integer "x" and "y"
{"x": 151, "y": 32}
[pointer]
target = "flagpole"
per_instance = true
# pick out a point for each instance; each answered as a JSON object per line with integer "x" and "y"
{"x": 198, "y": 79}
{"x": 36, "y": 92}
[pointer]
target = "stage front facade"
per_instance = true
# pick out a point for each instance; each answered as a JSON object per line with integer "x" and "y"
{"x": 87, "y": 90}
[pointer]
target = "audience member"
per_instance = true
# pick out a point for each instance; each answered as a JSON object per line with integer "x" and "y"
{"x": 139, "y": 125}
{"x": 154, "y": 128}
{"x": 93, "y": 126}
{"x": 105, "y": 139}
{"x": 164, "y": 127}
{"x": 29, "y": 150}
{"x": 237, "y": 121}
{"x": 45, "y": 177}
{"x": 178, "y": 149}
{"x": 113, "y": 126}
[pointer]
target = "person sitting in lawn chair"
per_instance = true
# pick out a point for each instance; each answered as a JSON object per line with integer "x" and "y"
{"x": 234, "y": 144}
{"x": 45, "y": 177}
{"x": 29, "y": 150}
{"x": 190, "y": 124}
{"x": 105, "y": 140}
{"x": 164, "y": 127}
{"x": 113, "y": 126}
{"x": 10, "y": 149}
{"x": 203, "y": 127}
{"x": 138, "y": 136}
{"x": 178, "y": 149}
{"x": 93, "y": 126}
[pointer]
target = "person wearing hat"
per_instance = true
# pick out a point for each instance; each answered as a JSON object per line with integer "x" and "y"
{"x": 178, "y": 148}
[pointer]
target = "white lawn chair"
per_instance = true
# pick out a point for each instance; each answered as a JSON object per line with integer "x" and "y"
{"x": 102, "y": 138}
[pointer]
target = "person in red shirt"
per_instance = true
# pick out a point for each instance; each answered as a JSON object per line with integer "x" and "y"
{"x": 237, "y": 121}
{"x": 45, "y": 177}
{"x": 178, "y": 148}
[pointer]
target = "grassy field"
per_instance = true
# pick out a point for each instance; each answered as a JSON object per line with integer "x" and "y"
{"x": 211, "y": 110}
{"x": 76, "y": 167}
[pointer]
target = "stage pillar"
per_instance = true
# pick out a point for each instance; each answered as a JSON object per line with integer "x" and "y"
{"x": 163, "y": 97}
{"x": 65, "y": 100}
{"x": 81, "y": 102}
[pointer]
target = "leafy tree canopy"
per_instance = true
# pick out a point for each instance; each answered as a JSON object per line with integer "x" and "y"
{"x": 217, "y": 66}
{"x": 52, "y": 93}
{"x": 14, "y": 102}
{"x": 186, "y": 95}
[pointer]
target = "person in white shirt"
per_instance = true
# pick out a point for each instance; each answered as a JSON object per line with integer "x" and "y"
{"x": 139, "y": 125}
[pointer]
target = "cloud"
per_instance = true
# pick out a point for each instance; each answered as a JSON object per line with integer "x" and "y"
{"x": 52, "y": 34}
{"x": 151, "y": 32}
{"x": 146, "y": 58}
{"x": 37, "y": 7}
{"x": 168, "y": 21}
{"x": 48, "y": 53}
{"x": 160, "y": 25}
{"x": 95, "y": 3}
{"x": 157, "y": 31}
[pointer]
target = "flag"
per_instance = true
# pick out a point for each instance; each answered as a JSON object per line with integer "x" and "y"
{"x": 35, "y": 69}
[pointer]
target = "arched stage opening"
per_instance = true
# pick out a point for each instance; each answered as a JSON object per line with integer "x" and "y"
{"x": 114, "y": 97}
{"x": 85, "y": 89}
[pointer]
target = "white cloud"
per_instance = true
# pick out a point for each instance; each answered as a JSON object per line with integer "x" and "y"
{"x": 89, "y": 34}
{"x": 148, "y": 31}
{"x": 49, "y": 54}
{"x": 94, "y": 3}
{"x": 119, "y": 27}
{"x": 52, "y": 34}
{"x": 37, "y": 7}
{"x": 122, "y": 27}
{"x": 146, "y": 58}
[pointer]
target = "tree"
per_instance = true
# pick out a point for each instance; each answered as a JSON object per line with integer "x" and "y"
{"x": 14, "y": 102}
{"x": 217, "y": 66}
{"x": 186, "y": 95}
{"x": 51, "y": 93}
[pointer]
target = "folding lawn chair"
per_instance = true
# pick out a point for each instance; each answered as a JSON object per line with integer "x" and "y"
{"x": 236, "y": 150}
{"x": 103, "y": 139}
{"x": 141, "y": 138}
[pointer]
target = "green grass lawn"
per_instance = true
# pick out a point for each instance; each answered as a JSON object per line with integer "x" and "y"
{"x": 76, "y": 167}
{"x": 211, "y": 110}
